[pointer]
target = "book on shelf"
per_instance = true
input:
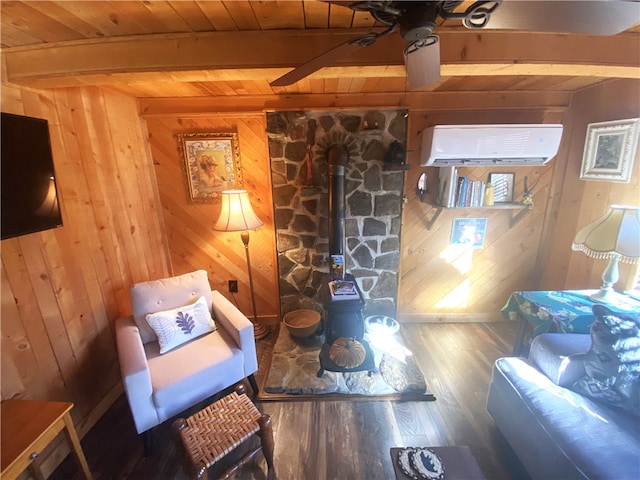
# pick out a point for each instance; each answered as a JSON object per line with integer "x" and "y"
{"x": 343, "y": 290}
{"x": 448, "y": 179}
{"x": 463, "y": 184}
{"x": 459, "y": 191}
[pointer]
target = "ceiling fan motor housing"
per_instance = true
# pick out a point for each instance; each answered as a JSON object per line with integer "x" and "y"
{"x": 418, "y": 19}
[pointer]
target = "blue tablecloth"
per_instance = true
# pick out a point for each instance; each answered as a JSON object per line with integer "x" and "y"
{"x": 561, "y": 310}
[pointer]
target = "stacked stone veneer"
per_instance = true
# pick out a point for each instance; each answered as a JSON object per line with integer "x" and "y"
{"x": 373, "y": 203}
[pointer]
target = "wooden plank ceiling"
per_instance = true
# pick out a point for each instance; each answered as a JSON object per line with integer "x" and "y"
{"x": 198, "y": 48}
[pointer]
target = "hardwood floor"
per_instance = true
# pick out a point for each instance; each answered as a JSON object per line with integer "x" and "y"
{"x": 345, "y": 439}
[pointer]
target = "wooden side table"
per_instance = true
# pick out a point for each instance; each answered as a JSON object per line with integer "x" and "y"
{"x": 28, "y": 426}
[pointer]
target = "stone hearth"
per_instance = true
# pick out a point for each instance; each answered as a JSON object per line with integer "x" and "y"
{"x": 294, "y": 365}
{"x": 373, "y": 203}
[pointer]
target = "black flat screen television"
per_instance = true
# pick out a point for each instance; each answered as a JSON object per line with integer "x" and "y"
{"x": 29, "y": 196}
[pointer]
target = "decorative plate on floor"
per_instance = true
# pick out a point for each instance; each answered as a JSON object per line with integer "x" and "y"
{"x": 421, "y": 463}
{"x": 405, "y": 463}
{"x": 427, "y": 463}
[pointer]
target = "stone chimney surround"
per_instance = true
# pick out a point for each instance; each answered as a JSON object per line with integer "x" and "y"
{"x": 299, "y": 143}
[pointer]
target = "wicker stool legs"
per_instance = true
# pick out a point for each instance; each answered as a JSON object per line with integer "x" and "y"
{"x": 198, "y": 434}
{"x": 266, "y": 440}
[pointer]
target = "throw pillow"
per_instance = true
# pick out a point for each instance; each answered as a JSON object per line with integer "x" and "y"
{"x": 165, "y": 294}
{"x": 179, "y": 325}
{"x": 612, "y": 365}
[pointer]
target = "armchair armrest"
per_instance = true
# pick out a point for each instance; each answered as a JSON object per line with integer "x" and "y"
{"x": 135, "y": 373}
{"x": 238, "y": 326}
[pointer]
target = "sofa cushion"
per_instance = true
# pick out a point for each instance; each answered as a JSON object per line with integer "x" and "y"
{"x": 612, "y": 365}
{"x": 165, "y": 294}
{"x": 181, "y": 325}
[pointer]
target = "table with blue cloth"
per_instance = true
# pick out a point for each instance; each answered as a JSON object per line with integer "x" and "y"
{"x": 558, "y": 311}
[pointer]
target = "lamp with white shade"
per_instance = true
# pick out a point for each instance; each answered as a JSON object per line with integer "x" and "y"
{"x": 614, "y": 236}
{"x": 237, "y": 215}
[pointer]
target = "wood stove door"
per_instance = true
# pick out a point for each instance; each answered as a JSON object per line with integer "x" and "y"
{"x": 344, "y": 321}
{"x": 342, "y": 318}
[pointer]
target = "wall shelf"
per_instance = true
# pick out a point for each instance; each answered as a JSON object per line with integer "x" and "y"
{"x": 497, "y": 206}
{"x": 523, "y": 210}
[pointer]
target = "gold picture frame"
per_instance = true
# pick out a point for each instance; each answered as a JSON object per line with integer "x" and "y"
{"x": 609, "y": 150}
{"x": 211, "y": 163}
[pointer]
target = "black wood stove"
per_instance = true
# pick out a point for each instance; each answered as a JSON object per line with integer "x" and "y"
{"x": 343, "y": 318}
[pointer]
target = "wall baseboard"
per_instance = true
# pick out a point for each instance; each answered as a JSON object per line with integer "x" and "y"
{"x": 450, "y": 318}
{"x": 269, "y": 319}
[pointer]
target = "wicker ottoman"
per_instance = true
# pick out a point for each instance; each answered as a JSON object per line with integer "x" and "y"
{"x": 203, "y": 439}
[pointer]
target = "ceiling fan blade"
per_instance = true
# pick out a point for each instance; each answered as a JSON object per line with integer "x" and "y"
{"x": 596, "y": 17}
{"x": 323, "y": 60}
{"x": 423, "y": 63}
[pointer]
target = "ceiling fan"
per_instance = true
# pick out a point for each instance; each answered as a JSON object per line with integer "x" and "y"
{"x": 416, "y": 22}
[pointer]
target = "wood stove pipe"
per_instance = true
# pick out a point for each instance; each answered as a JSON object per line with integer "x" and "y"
{"x": 338, "y": 158}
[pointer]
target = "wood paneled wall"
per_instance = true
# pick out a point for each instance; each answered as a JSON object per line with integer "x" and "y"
{"x": 192, "y": 241}
{"x": 436, "y": 283}
{"x": 441, "y": 282}
{"x": 127, "y": 219}
{"x": 577, "y": 202}
{"x": 62, "y": 289}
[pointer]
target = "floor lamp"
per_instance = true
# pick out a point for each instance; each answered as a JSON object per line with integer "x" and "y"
{"x": 614, "y": 236}
{"x": 236, "y": 215}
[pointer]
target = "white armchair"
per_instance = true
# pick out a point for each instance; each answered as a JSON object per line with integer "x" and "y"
{"x": 159, "y": 386}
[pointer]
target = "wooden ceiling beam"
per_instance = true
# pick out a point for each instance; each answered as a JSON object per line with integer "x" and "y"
{"x": 268, "y": 74}
{"x": 265, "y": 55}
{"x": 418, "y": 101}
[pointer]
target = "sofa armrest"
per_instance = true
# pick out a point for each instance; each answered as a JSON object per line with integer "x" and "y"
{"x": 238, "y": 326}
{"x": 135, "y": 373}
{"x": 557, "y": 355}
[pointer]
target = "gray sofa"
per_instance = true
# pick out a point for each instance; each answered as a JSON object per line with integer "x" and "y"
{"x": 555, "y": 432}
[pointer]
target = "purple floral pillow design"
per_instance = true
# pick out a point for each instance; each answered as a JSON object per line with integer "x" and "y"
{"x": 182, "y": 324}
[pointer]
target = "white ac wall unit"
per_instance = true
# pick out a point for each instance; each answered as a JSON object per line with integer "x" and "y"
{"x": 489, "y": 145}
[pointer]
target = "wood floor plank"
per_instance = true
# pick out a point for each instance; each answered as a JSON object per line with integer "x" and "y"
{"x": 341, "y": 439}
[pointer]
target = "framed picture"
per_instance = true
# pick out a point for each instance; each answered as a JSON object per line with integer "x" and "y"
{"x": 469, "y": 231}
{"x": 502, "y": 186}
{"x": 211, "y": 162}
{"x": 609, "y": 150}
